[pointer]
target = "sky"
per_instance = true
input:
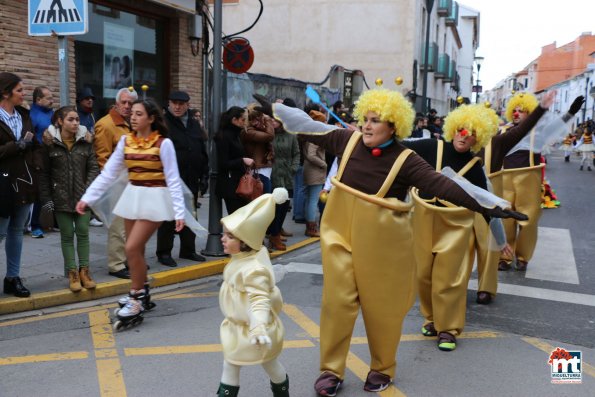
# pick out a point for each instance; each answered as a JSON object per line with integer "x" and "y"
{"x": 512, "y": 32}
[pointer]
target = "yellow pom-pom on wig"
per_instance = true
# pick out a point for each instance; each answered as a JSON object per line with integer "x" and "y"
{"x": 391, "y": 106}
{"x": 527, "y": 102}
{"x": 478, "y": 119}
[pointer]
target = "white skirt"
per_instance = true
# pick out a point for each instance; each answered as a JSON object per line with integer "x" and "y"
{"x": 566, "y": 148}
{"x": 148, "y": 203}
{"x": 589, "y": 147}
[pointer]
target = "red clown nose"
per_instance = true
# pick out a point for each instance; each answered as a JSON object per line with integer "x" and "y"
{"x": 376, "y": 152}
{"x": 516, "y": 114}
{"x": 463, "y": 132}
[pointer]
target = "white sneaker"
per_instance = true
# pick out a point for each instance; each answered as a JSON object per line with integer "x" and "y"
{"x": 95, "y": 222}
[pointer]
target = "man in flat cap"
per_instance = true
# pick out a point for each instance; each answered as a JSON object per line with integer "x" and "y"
{"x": 190, "y": 143}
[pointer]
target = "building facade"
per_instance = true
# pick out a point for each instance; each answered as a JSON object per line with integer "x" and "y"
{"x": 361, "y": 41}
{"x": 128, "y": 43}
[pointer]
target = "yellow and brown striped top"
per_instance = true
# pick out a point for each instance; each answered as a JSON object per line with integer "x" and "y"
{"x": 587, "y": 138}
{"x": 143, "y": 160}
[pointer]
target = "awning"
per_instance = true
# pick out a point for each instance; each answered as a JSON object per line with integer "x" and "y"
{"x": 182, "y": 5}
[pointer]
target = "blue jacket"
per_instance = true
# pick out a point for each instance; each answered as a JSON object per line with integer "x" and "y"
{"x": 41, "y": 117}
{"x": 87, "y": 119}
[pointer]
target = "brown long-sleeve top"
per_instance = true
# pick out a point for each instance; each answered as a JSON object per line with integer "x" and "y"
{"x": 503, "y": 143}
{"x": 366, "y": 173}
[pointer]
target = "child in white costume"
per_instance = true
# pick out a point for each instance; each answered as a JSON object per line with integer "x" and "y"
{"x": 251, "y": 332}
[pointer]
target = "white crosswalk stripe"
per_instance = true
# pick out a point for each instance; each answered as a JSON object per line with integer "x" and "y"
{"x": 553, "y": 259}
{"x": 56, "y": 11}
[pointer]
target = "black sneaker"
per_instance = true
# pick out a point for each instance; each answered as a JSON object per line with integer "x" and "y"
{"x": 193, "y": 256}
{"x": 123, "y": 273}
{"x": 376, "y": 382}
{"x": 167, "y": 260}
{"x": 14, "y": 286}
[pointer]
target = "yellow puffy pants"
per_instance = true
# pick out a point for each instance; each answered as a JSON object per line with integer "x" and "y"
{"x": 442, "y": 239}
{"x": 487, "y": 260}
{"x": 522, "y": 188}
{"x": 368, "y": 262}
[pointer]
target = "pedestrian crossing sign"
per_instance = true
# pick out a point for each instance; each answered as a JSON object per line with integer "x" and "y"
{"x": 62, "y": 17}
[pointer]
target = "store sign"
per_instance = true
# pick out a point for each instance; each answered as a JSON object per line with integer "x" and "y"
{"x": 182, "y": 5}
{"x": 61, "y": 17}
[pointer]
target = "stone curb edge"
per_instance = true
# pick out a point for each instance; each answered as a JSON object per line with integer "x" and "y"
{"x": 121, "y": 287}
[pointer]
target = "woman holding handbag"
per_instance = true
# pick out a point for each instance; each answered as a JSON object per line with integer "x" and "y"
{"x": 231, "y": 157}
{"x": 20, "y": 165}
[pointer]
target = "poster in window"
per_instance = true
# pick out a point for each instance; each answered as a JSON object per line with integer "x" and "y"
{"x": 118, "y": 58}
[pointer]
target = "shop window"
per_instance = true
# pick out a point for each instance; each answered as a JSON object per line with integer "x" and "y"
{"x": 121, "y": 49}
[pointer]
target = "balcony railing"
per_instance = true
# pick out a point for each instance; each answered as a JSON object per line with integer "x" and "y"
{"x": 444, "y": 8}
{"x": 453, "y": 18}
{"x": 443, "y": 66}
{"x": 452, "y": 70}
{"x": 432, "y": 57}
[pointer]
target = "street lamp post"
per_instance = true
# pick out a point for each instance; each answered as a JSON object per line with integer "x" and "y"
{"x": 478, "y": 61}
{"x": 424, "y": 97}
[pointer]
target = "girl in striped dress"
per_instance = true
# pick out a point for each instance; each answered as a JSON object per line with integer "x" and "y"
{"x": 153, "y": 195}
{"x": 586, "y": 147}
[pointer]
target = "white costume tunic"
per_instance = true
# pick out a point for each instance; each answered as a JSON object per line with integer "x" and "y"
{"x": 249, "y": 298}
{"x": 154, "y": 203}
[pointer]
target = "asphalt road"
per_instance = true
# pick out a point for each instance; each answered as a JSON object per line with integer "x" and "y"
{"x": 504, "y": 351}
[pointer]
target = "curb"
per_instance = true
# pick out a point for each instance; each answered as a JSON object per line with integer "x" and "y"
{"x": 121, "y": 287}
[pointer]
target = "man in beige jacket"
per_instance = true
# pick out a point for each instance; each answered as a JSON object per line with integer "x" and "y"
{"x": 108, "y": 131}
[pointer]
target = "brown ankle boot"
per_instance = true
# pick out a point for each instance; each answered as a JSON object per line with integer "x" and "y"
{"x": 276, "y": 243}
{"x": 86, "y": 279}
{"x": 312, "y": 229}
{"x": 74, "y": 281}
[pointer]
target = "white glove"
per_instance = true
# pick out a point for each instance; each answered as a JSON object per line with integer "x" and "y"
{"x": 258, "y": 335}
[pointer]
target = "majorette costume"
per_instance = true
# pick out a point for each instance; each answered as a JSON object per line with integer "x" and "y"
{"x": 443, "y": 231}
{"x": 250, "y": 300}
{"x": 586, "y": 147}
{"x": 154, "y": 189}
{"x": 521, "y": 179}
{"x": 366, "y": 235}
{"x": 567, "y": 146}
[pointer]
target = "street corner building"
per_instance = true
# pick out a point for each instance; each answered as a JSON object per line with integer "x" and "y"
{"x": 128, "y": 43}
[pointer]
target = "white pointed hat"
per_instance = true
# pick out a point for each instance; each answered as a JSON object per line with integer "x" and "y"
{"x": 250, "y": 222}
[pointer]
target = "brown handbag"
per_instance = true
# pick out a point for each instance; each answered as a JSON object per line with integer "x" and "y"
{"x": 250, "y": 185}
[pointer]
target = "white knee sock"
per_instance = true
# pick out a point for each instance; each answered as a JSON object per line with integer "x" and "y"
{"x": 231, "y": 374}
{"x": 275, "y": 370}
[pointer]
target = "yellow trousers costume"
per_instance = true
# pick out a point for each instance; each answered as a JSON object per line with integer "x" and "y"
{"x": 371, "y": 268}
{"x": 487, "y": 260}
{"x": 441, "y": 245}
{"x": 522, "y": 188}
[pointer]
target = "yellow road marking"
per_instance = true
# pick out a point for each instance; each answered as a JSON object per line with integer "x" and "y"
{"x": 360, "y": 369}
{"x": 353, "y": 362}
{"x": 40, "y": 358}
{"x": 302, "y": 320}
{"x": 109, "y": 370}
{"x": 189, "y": 349}
{"x": 546, "y": 347}
{"x": 163, "y": 295}
{"x": 362, "y": 340}
{"x": 190, "y": 295}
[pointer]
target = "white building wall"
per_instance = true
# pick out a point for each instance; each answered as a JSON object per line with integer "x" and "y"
{"x": 465, "y": 66}
{"x": 304, "y": 39}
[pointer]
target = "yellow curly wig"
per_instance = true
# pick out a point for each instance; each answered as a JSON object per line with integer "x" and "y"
{"x": 475, "y": 118}
{"x": 391, "y": 106}
{"x": 527, "y": 102}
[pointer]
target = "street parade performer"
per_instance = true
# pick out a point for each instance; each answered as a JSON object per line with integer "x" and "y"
{"x": 252, "y": 332}
{"x": 370, "y": 266}
{"x": 521, "y": 178}
{"x": 153, "y": 192}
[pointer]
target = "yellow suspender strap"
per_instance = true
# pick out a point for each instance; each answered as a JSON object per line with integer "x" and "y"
{"x": 439, "y": 153}
{"x": 531, "y": 159}
{"x": 393, "y": 172}
{"x": 468, "y": 166}
{"x": 487, "y": 152}
{"x": 355, "y": 137}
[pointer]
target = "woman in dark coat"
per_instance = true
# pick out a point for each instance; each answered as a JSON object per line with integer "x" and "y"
{"x": 231, "y": 157}
{"x": 20, "y": 165}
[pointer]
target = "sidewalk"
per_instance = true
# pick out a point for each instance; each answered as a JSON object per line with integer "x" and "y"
{"x": 42, "y": 267}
